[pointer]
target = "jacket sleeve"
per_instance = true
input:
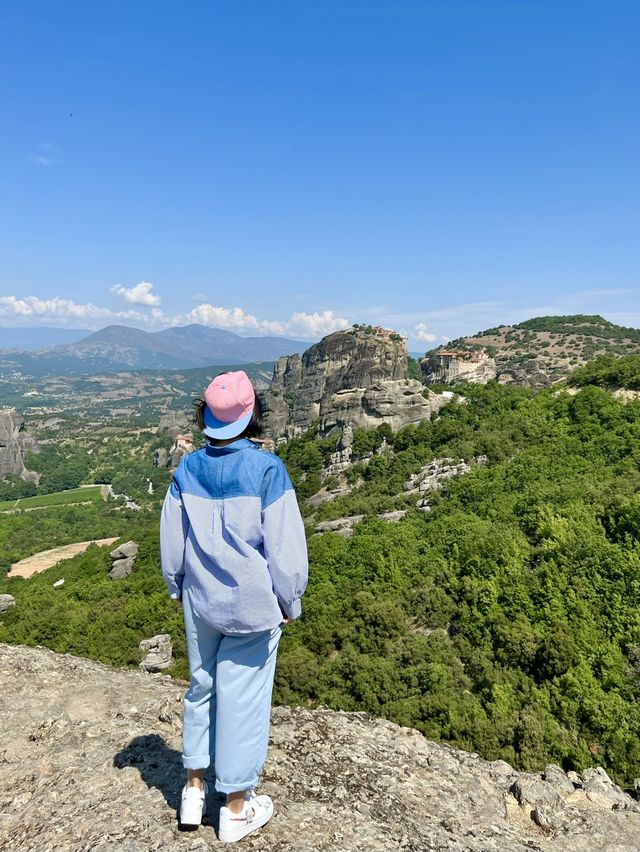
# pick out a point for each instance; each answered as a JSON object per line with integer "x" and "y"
{"x": 285, "y": 544}
{"x": 174, "y": 527}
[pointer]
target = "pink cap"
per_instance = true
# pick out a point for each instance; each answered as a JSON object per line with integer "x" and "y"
{"x": 230, "y": 400}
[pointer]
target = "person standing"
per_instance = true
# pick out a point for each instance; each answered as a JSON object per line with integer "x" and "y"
{"x": 233, "y": 552}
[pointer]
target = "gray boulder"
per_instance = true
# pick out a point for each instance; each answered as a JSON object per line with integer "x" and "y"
{"x": 342, "y": 526}
{"x": 601, "y": 790}
{"x": 126, "y": 550}
{"x": 159, "y": 652}
{"x": 6, "y": 601}
{"x": 393, "y": 517}
{"x": 433, "y": 475}
{"x": 121, "y": 568}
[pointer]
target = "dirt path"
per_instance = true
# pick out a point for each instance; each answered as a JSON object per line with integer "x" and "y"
{"x": 40, "y": 508}
{"x": 48, "y": 558}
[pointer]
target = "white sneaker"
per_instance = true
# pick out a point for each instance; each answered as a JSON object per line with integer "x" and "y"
{"x": 257, "y": 811}
{"x": 193, "y": 805}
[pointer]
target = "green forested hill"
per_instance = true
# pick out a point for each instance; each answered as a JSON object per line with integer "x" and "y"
{"x": 610, "y": 372}
{"x": 549, "y": 346}
{"x": 506, "y": 620}
{"x": 591, "y": 325}
{"x": 578, "y": 335}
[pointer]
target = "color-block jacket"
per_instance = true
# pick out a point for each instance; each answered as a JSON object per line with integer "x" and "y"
{"x": 231, "y": 531}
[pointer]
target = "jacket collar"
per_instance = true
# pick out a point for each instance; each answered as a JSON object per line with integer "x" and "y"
{"x": 240, "y": 444}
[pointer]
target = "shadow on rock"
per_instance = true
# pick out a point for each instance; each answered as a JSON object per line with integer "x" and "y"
{"x": 161, "y": 766}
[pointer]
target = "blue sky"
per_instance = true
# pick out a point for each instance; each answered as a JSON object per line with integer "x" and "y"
{"x": 294, "y": 167}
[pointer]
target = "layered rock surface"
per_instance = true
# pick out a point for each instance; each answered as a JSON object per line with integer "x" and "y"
{"x": 177, "y": 425}
{"x": 90, "y": 760}
{"x": 123, "y": 558}
{"x": 397, "y": 403}
{"x": 174, "y": 423}
{"x": 357, "y": 377}
{"x": 158, "y": 650}
{"x": 14, "y": 444}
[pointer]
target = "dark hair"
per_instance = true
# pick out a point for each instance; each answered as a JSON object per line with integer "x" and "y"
{"x": 253, "y": 430}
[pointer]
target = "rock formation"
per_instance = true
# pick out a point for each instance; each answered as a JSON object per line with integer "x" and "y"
{"x": 531, "y": 373}
{"x": 6, "y": 601}
{"x": 123, "y": 558}
{"x": 90, "y": 760}
{"x": 341, "y": 526}
{"x": 177, "y": 425}
{"x": 160, "y": 457}
{"x": 125, "y": 551}
{"x": 344, "y": 526}
{"x": 14, "y": 444}
{"x": 174, "y": 423}
{"x": 341, "y": 459}
{"x": 182, "y": 446}
{"x": 432, "y": 476}
{"x": 476, "y": 367}
{"x": 398, "y": 403}
{"x": 357, "y": 377}
{"x": 158, "y": 650}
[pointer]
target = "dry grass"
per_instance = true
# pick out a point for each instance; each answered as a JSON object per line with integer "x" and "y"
{"x": 48, "y": 558}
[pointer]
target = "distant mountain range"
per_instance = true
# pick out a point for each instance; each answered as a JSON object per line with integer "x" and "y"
{"x": 30, "y": 339}
{"x": 117, "y": 348}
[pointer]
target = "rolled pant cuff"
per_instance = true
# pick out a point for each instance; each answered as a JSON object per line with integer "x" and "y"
{"x": 196, "y": 762}
{"x": 236, "y": 788}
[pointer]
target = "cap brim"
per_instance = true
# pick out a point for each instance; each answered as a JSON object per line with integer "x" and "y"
{"x": 214, "y": 428}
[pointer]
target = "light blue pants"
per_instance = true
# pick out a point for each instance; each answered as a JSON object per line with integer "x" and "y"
{"x": 227, "y": 707}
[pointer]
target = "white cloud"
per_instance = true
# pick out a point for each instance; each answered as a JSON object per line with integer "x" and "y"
{"x": 307, "y": 326}
{"x": 316, "y": 324}
{"x": 421, "y": 332}
{"x": 61, "y": 310}
{"x": 212, "y": 315}
{"x": 139, "y": 295}
{"x": 64, "y": 312}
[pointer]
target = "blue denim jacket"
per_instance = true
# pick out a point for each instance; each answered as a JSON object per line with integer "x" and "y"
{"x": 231, "y": 529}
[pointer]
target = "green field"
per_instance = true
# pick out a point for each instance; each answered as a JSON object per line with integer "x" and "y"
{"x": 58, "y": 498}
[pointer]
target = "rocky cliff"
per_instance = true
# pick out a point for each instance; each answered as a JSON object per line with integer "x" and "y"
{"x": 90, "y": 760}
{"x": 176, "y": 425}
{"x": 357, "y": 377}
{"x": 14, "y": 444}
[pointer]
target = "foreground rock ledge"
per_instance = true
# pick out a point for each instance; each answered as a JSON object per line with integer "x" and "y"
{"x": 90, "y": 760}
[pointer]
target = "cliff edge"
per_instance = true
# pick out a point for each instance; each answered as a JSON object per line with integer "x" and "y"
{"x": 90, "y": 760}
{"x": 14, "y": 444}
